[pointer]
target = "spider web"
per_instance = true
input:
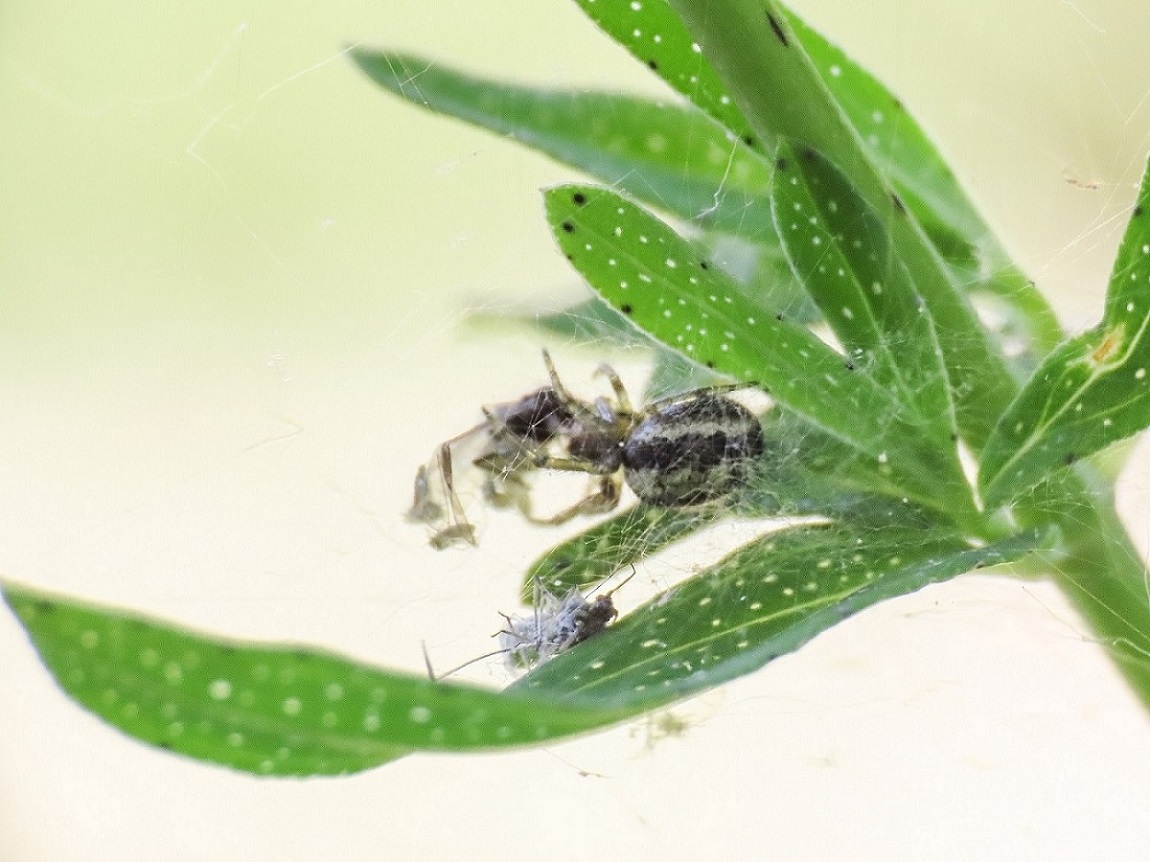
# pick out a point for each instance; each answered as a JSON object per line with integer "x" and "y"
{"x": 241, "y": 310}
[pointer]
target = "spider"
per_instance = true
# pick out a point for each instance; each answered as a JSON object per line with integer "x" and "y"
{"x": 681, "y": 451}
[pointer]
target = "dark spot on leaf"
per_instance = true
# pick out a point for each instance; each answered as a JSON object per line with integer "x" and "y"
{"x": 704, "y": 265}
{"x": 779, "y": 317}
{"x": 570, "y": 257}
{"x": 579, "y": 198}
{"x": 748, "y": 140}
{"x": 167, "y": 746}
{"x": 850, "y": 366}
{"x": 568, "y": 227}
{"x": 1137, "y": 210}
{"x": 780, "y": 164}
{"x": 651, "y": 64}
{"x": 953, "y": 437}
{"x": 709, "y": 364}
{"x": 43, "y": 606}
{"x": 808, "y": 154}
{"x": 898, "y": 104}
{"x": 898, "y": 204}
{"x": 779, "y": 32}
{"x": 1070, "y": 458}
{"x": 626, "y": 308}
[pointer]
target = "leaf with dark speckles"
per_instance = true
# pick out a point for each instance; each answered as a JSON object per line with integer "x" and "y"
{"x": 842, "y": 252}
{"x": 781, "y": 93}
{"x": 653, "y": 30}
{"x": 637, "y": 262}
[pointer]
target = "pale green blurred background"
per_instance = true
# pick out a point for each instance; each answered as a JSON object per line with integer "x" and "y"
{"x": 233, "y": 280}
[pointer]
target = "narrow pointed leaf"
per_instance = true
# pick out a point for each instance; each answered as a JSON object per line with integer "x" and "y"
{"x": 768, "y": 73}
{"x": 842, "y": 252}
{"x": 656, "y": 35}
{"x": 1091, "y": 391}
{"x": 671, "y": 156}
{"x": 663, "y": 284}
{"x": 765, "y": 600}
{"x": 926, "y": 183}
{"x": 895, "y": 138}
{"x": 272, "y": 710}
{"x": 594, "y": 555}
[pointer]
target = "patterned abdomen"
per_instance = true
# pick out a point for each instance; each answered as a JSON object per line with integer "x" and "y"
{"x": 692, "y": 451}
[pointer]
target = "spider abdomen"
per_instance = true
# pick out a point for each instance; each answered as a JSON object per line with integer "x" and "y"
{"x": 692, "y": 451}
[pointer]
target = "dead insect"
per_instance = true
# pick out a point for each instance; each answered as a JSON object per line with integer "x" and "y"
{"x": 554, "y": 625}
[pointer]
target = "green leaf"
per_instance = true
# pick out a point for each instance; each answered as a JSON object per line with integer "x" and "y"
{"x": 842, "y": 253}
{"x": 1091, "y": 391}
{"x": 926, "y": 184}
{"x": 806, "y": 471}
{"x": 896, "y": 141}
{"x": 594, "y": 555}
{"x": 769, "y": 75}
{"x": 665, "y": 286}
{"x": 675, "y": 160}
{"x": 272, "y": 710}
{"x": 671, "y": 156}
{"x": 653, "y": 32}
{"x": 764, "y": 600}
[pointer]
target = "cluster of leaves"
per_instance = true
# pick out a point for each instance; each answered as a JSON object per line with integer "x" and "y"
{"x": 786, "y": 151}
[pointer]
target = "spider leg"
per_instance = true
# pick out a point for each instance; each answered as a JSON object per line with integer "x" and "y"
{"x": 622, "y": 399}
{"x": 571, "y": 465}
{"x": 578, "y": 408}
{"x": 458, "y": 527}
{"x": 604, "y": 498}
